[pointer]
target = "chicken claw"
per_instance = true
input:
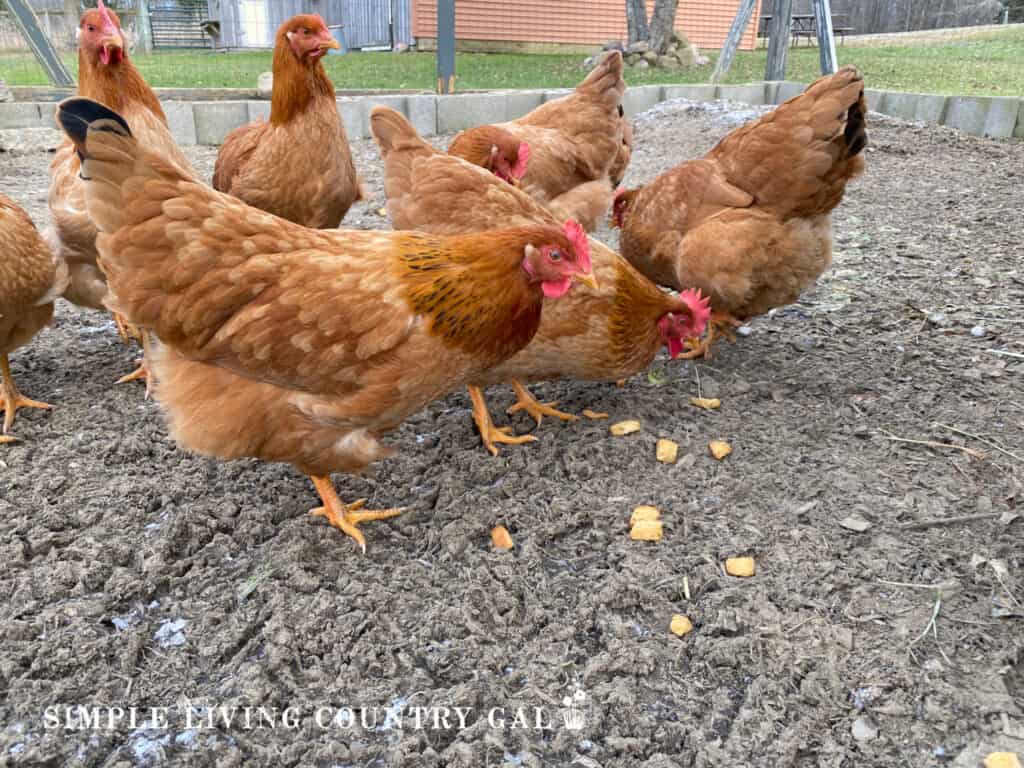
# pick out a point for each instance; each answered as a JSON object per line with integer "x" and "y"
{"x": 347, "y": 517}
{"x": 489, "y": 433}
{"x": 527, "y": 402}
{"x": 142, "y": 372}
{"x": 11, "y": 399}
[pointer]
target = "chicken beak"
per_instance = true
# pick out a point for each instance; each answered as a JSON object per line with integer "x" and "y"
{"x": 587, "y": 279}
{"x": 113, "y": 41}
{"x": 330, "y": 43}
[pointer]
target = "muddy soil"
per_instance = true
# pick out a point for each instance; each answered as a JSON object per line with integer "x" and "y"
{"x": 137, "y": 575}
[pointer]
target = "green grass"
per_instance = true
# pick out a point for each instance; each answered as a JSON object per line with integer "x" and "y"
{"x": 989, "y": 64}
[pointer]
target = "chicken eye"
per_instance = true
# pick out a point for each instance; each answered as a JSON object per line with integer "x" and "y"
{"x": 91, "y": 28}
{"x": 555, "y": 256}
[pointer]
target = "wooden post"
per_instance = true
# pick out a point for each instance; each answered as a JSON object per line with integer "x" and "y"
{"x": 143, "y": 30}
{"x": 40, "y": 44}
{"x": 446, "y": 46}
{"x": 778, "y": 40}
{"x": 732, "y": 42}
{"x": 826, "y": 40}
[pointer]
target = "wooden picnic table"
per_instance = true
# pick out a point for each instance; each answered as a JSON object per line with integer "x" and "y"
{"x": 804, "y": 25}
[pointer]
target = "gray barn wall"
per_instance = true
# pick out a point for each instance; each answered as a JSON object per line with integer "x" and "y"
{"x": 367, "y": 22}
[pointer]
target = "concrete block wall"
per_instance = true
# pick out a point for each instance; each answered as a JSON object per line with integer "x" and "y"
{"x": 208, "y": 122}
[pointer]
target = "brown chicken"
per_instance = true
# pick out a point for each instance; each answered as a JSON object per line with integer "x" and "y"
{"x": 301, "y": 345}
{"x": 106, "y": 75}
{"x": 596, "y": 334}
{"x": 298, "y": 165}
{"x": 750, "y": 223}
{"x": 617, "y": 172}
{"x": 573, "y": 142}
{"x": 30, "y": 280}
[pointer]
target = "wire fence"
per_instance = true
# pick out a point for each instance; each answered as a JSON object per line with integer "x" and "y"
{"x": 207, "y": 43}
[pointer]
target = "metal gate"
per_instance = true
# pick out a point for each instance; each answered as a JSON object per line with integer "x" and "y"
{"x": 178, "y": 23}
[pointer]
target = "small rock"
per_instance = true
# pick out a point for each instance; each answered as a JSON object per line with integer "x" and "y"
{"x": 171, "y": 634}
{"x": 744, "y": 330}
{"x": 640, "y": 46}
{"x": 265, "y": 85}
{"x": 650, "y": 57}
{"x": 864, "y": 729}
{"x": 589, "y": 63}
{"x": 978, "y": 331}
{"x": 642, "y": 64}
{"x": 855, "y": 523}
{"x": 937, "y": 318}
{"x": 613, "y": 45}
{"x": 669, "y": 62}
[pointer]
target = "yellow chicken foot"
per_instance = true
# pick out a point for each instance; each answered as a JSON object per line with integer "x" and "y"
{"x": 527, "y": 402}
{"x": 11, "y": 399}
{"x": 8, "y": 439}
{"x": 489, "y": 433}
{"x": 142, "y": 372}
{"x": 347, "y": 517}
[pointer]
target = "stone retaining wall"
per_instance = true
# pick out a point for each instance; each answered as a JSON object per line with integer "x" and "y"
{"x": 208, "y": 122}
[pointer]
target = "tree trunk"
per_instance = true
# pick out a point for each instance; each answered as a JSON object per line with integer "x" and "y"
{"x": 636, "y": 21}
{"x": 663, "y": 23}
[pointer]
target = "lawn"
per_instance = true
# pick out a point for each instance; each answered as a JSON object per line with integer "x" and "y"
{"x": 986, "y": 65}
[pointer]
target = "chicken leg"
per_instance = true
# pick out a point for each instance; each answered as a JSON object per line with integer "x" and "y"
{"x": 347, "y": 517}
{"x": 125, "y": 330}
{"x": 527, "y": 402}
{"x": 489, "y": 433}
{"x": 142, "y": 372}
{"x": 720, "y": 324}
{"x": 10, "y": 398}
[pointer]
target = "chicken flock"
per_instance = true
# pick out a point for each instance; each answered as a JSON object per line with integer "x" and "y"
{"x": 269, "y": 332}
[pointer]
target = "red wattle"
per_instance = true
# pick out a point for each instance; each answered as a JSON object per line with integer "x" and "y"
{"x": 554, "y": 288}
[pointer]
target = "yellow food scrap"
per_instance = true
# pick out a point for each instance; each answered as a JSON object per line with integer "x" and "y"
{"x": 501, "y": 538}
{"x": 1002, "y": 760}
{"x": 627, "y": 427}
{"x": 707, "y": 403}
{"x": 667, "y": 451}
{"x": 382, "y": 211}
{"x": 719, "y": 449}
{"x": 680, "y": 625}
{"x": 594, "y": 414}
{"x": 644, "y": 512}
{"x": 646, "y": 530}
{"x": 740, "y": 566}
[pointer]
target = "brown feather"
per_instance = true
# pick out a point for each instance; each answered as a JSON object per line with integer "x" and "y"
{"x": 750, "y": 223}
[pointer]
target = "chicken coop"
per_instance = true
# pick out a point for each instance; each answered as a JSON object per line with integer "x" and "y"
{"x": 360, "y": 24}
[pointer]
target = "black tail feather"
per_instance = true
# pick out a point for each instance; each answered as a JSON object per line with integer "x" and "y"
{"x": 856, "y": 130}
{"x": 77, "y": 115}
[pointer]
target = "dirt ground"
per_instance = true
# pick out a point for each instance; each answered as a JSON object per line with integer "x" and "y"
{"x": 136, "y": 575}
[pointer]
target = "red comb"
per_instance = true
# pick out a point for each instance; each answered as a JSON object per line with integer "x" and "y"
{"x": 578, "y": 237}
{"x": 522, "y": 158}
{"x": 700, "y": 309}
{"x": 108, "y": 20}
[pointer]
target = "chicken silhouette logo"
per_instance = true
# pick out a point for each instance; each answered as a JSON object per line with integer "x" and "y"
{"x": 574, "y": 711}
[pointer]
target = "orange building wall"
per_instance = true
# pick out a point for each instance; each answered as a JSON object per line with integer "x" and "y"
{"x": 582, "y": 22}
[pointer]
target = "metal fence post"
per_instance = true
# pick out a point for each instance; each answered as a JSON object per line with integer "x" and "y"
{"x": 732, "y": 42}
{"x": 40, "y": 44}
{"x": 778, "y": 40}
{"x": 446, "y": 46}
{"x": 826, "y": 40}
{"x": 143, "y": 30}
